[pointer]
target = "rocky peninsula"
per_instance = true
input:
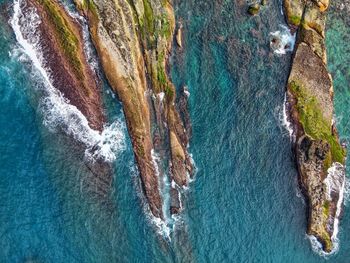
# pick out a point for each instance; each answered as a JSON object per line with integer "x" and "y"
{"x": 133, "y": 40}
{"x": 320, "y": 156}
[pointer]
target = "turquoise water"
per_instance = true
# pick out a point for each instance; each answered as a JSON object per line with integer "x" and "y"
{"x": 244, "y": 204}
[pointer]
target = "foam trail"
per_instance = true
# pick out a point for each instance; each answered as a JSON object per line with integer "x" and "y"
{"x": 161, "y": 226}
{"x": 282, "y": 41}
{"x": 317, "y": 246}
{"x": 58, "y": 113}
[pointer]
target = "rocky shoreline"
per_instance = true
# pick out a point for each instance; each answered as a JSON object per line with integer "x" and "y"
{"x": 320, "y": 156}
{"x": 62, "y": 49}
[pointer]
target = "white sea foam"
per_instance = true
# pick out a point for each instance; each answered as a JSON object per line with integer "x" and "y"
{"x": 57, "y": 111}
{"x": 155, "y": 160}
{"x": 187, "y": 93}
{"x": 162, "y": 228}
{"x": 161, "y": 96}
{"x": 317, "y": 247}
{"x": 164, "y": 189}
{"x": 282, "y": 41}
{"x": 286, "y": 123}
{"x": 282, "y": 116}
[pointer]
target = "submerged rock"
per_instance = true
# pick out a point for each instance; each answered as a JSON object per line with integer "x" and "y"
{"x": 320, "y": 157}
{"x": 254, "y": 9}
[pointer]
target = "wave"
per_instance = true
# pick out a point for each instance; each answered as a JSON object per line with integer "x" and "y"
{"x": 282, "y": 41}
{"x": 286, "y": 123}
{"x": 281, "y": 114}
{"x": 317, "y": 247}
{"x": 186, "y": 91}
{"x": 57, "y": 112}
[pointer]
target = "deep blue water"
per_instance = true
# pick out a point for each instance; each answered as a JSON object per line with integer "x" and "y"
{"x": 243, "y": 205}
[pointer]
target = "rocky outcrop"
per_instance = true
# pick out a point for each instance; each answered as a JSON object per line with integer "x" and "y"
{"x": 133, "y": 40}
{"x": 320, "y": 157}
{"x": 62, "y": 47}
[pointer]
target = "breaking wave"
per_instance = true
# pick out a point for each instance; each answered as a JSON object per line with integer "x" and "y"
{"x": 162, "y": 228}
{"x": 57, "y": 112}
{"x": 286, "y": 123}
{"x": 282, "y": 116}
{"x": 282, "y": 41}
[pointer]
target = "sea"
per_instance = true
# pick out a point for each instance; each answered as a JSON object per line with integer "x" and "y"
{"x": 243, "y": 204}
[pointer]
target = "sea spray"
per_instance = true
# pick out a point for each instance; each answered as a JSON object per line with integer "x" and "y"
{"x": 286, "y": 123}
{"x": 57, "y": 111}
{"x": 282, "y": 41}
{"x": 317, "y": 247}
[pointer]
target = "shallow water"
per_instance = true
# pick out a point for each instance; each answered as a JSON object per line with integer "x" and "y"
{"x": 244, "y": 204}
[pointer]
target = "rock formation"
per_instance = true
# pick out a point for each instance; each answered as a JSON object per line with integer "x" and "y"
{"x": 320, "y": 157}
{"x": 133, "y": 40}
